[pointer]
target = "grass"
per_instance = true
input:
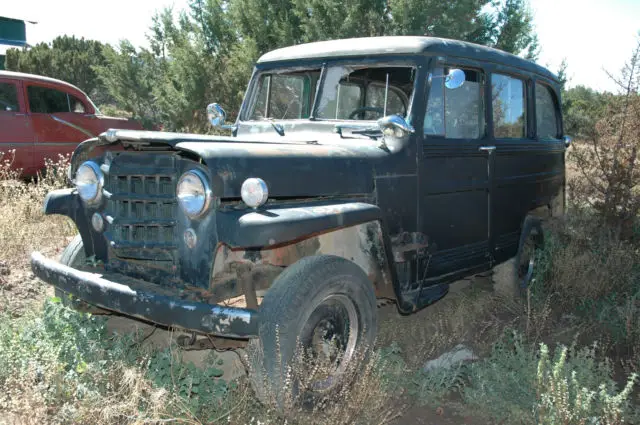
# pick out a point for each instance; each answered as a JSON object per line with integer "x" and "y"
{"x": 567, "y": 355}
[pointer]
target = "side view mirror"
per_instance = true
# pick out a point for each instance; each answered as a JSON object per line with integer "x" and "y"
{"x": 567, "y": 141}
{"x": 454, "y": 79}
{"x": 217, "y": 116}
{"x": 395, "y": 125}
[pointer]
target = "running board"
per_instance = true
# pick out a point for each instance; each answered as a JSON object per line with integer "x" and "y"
{"x": 422, "y": 297}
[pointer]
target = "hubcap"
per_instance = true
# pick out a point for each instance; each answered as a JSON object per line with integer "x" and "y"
{"x": 527, "y": 263}
{"x": 329, "y": 338}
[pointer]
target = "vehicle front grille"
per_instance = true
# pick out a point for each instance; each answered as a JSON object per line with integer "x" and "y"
{"x": 141, "y": 211}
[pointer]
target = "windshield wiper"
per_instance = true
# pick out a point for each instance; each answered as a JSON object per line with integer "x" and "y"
{"x": 276, "y": 126}
{"x": 371, "y": 132}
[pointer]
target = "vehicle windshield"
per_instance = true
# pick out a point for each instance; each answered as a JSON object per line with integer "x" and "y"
{"x": 347, "y": 93}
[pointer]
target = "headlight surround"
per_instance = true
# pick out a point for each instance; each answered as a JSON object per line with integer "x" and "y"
{"x": 194, "y": 193}
{"x": 89, "y": 182}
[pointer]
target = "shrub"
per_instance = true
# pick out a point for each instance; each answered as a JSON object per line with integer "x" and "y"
{"x": 61, "y": 366}
{"x": 608, "y": 163}
{"x": 572, "y": 386}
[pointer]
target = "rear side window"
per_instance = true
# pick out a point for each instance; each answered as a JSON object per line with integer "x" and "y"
{"x": 456, "y": 113}
{"x": 509, "y": 107}
{"x": 9, "y": 98}
{"x": 546, "y": 113}
{"x": 46, "y": 100}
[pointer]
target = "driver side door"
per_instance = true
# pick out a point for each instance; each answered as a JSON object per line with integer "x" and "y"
{"x": 454, "y": 176}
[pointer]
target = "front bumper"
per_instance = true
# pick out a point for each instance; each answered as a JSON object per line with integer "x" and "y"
{"x": 147, "y": 301}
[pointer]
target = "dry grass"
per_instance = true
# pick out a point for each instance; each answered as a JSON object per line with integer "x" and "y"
{"x": 24, "y": 228}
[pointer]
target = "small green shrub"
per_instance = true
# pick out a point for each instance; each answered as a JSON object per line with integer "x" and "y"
{"x": 61, "y": 366}
{"x": 572, "y": 386}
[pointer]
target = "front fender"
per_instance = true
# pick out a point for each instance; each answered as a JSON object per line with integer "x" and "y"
{"x": 278, "y": 225}
{"x": 67, "y": 202}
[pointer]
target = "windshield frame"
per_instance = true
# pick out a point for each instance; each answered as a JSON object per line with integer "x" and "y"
{"x": 413, "y": 62}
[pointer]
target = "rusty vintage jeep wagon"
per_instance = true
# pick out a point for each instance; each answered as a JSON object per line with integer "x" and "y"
{"x": 357, "y": 170}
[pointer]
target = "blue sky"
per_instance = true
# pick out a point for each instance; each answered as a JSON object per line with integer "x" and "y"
{"x": 593, "y": 35}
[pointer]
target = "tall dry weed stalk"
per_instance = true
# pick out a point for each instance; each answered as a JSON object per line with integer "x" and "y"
{"x": 609, "y": 178}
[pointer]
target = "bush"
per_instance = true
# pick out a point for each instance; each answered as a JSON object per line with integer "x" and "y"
{"x": 608, "y": 163}
{"x": 572, "y": 386}
{"x": 61, "y": 366}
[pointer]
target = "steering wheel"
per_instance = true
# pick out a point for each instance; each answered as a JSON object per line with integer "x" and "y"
{"x": 366, "y": 109}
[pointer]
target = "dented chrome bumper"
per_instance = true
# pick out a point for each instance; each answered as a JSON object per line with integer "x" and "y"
{"x": 147, "y": 301}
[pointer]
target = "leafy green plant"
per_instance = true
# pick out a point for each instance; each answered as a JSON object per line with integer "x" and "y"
{"x": 570, "y": 386}
{"x": 64, "y": 365}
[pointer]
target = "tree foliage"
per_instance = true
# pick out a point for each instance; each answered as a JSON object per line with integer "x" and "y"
{"x": 67, "y": 58}
{"x": 205, "y": 53}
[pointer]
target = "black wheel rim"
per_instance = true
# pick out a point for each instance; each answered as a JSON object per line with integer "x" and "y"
{"x": 329, "y": 338}
{"x": 526, "y": 264}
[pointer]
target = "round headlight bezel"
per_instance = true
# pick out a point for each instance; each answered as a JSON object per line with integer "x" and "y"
{"x": 99, "y": 176}
{"x": 204, "y": 181}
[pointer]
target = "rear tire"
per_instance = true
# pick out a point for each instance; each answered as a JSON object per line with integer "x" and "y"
{"x": 325, "y": 305}
{"x": 75, "y": 256}
{"x": 513, "y": 277}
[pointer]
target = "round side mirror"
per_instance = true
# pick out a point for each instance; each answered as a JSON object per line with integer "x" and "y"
{"x": 454, "y": 79}
{"x": 216, "y": 115}
{"x": 567, "y": 141}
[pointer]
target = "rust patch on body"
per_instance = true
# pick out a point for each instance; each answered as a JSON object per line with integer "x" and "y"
{"x": 236, "y": 271}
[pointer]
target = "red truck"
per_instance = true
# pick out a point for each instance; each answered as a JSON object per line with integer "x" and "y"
{"x": 43, "y": 117}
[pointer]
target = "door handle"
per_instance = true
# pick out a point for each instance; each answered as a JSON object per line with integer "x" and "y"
{"x": 488, "y": 149}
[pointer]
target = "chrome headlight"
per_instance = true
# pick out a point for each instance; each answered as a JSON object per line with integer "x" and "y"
{"x": 89, "y": 182}
{"x": 194, "y": 194}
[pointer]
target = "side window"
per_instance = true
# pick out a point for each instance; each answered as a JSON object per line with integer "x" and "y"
{"x": 455, "y": 113}
{"x": 47, "y": 101}
{"x": 76, "y": 105}
{"x": 546, "y": 113}
{"x": 9, "y": 98}
{"x": 509, "y": 107}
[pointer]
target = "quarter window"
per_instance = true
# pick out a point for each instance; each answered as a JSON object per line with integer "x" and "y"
{"x": 546, "y": 113}
{"x": 76, "y": 105}
{"x": 455, "y": 113}
{"x": 509, "y": 107}
{"x": 9, "y": 98}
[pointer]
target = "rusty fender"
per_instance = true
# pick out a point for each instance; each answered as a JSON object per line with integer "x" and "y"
{"x": 236, "y": 269}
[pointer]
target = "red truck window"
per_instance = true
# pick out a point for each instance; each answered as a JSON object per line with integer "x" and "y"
{"x": 9, "y": 97}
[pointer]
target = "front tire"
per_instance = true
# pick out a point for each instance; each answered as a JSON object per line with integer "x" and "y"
{"x": 326, "y": 306}
{"x": 75, "y": 256}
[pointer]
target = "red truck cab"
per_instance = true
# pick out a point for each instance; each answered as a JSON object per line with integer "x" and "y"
{"x": 42, "y": 117}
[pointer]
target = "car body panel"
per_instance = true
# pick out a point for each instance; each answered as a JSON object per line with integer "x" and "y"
{"x": 39, "y": 136}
